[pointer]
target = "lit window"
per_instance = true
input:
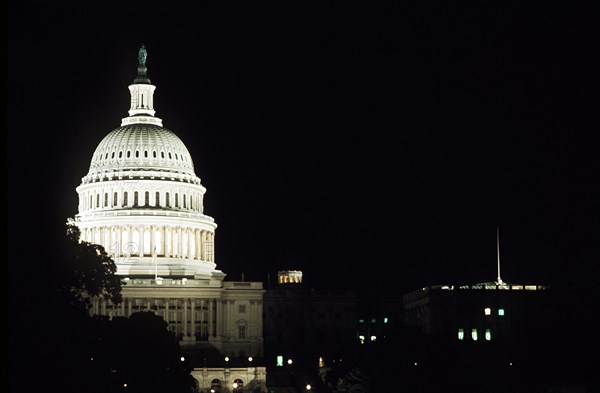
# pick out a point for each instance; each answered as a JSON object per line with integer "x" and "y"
{"x": 461, "y": 334}
{"x": 385, "y": 320}
{"x": 501, "y": 312}
{"x": 279, "y": 361}
{"x": 488, "y": 311}
{"x": 361, "y": 321}
{"x": 474, "y": 334}
{"x": 373, "y": 320}
{"x": 321, "y": 362}
{"x": 373, "y": 338}
{"x": 488, "y": 335}
{"x": 362, "y": 339}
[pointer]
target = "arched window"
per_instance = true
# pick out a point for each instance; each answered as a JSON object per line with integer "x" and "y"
{"x": 170, "y": 157}
{"x": 177, "y": 158}
{"x": 106, "y": 156}
{"x": 145, "y": 153}
{"x": 128, "y": 153}
{"x": 106, "y": 199}
{"x": 162, "y": 154}
{"x": 137, "y": 153}
{"x": 154, "y": 154}
{"x": 157, "y": 199}
{"x": 167, "y": 202}
{"x": 97, "y": 200}
{"x": 215, "y": 385}
{"x": 184, "y": 198}
{"x": 115, "y": 199}
{"x": 125, "y": 199}
{"x": 147, "y": 199}
{"x": 135, "y": 198}
{"x": 91, "y": 205}
{"x": 120, "y": 154}
{"x": 176, "y": 200}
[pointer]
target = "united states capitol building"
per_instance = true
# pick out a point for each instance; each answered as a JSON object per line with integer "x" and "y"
{"x": 143, "y": 202}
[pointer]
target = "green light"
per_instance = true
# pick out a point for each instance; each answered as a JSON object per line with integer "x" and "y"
{"x": 385, "y": 320}
{"x": 501, "y": 311}
{"x": 279, "y": 361}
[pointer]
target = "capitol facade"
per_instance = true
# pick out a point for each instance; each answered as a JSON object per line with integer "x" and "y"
{"x": 142, "y": 201}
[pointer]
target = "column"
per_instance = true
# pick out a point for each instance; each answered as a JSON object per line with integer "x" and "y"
{"x": 166, "y": 317}
{"x": 202, "y": 304}
{"x": 190, "y": 243}
{"x": 141, "y": 245}
{"x": 163, "y": 240}
{"x": 197, "y": 239}
{"x": 119, "y": 242}
{"x": 180, "y": 243}
{"x": 185, "y": 318}
{"x": 152, "y": 245}
{"x": 129, "y": 240}
{"x": 210, "y": 317}
{"x": 193, "y": 318}
{"x": 203, "y": 245}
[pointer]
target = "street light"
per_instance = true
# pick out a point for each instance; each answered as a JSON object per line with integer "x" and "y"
{"x": 308, "y": 387}
{"x": 235, "y": 386}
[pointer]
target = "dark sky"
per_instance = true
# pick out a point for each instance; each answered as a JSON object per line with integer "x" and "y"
{"x": 375, "y": 146}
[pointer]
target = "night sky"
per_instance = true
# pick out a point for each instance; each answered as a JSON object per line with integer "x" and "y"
{"x": 371, "y": 146}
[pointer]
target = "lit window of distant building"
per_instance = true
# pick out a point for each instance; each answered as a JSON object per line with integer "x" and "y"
{"x": 279, "y": 361}
{"x": 474, "y": 334}
{"x": 488, "y": 335}
{"x": 361, "y": 321}
{"x": 501, "y": 312}
{"x": 385, "y": 320}
{"x": 461, "y": 334}
{"x": 373, "y": 320}
{"x": 373, "y": 338}
{"x": 362, "y": 339}
{"x": 321, "y": 362}
{"x": 488, "y": 311}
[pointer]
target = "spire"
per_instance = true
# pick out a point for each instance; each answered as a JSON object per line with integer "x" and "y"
{"x": 142, "y": 77}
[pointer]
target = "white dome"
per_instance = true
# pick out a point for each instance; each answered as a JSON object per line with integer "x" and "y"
{"x": 141, "y": 199}
{"x": 136, "y": 147}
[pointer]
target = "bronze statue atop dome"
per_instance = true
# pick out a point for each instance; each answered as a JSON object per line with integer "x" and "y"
{"x": 142, "y": 55}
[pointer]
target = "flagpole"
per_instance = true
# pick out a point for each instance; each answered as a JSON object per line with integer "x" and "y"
{"x": 499, "y": 281}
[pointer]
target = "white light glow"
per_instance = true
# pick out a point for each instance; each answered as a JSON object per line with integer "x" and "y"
{"x": 488, "y": 311}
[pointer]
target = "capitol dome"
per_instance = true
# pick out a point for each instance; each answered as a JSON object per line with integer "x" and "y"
{"x": 141, "y": 199}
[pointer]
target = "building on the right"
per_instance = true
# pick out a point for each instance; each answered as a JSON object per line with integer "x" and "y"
{"x": 517, "y": 336}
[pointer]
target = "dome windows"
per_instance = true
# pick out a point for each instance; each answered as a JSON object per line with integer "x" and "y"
{"x": 125, "y": 199}
{"x": 154, "y": 153}
{"x": 162, "y": 154}
{"x": 135, "y": 198}
{"x": 167, "y": 202}
{"x": 120, "y": 154}
{"x": 170, "y": 157}
{"x": 137, "y": 154}
{"x": 128, "y": 153}
{"x": 146, "y": 198}
{"x": 145, "y": 153}
{"x": 157, "y": 199}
